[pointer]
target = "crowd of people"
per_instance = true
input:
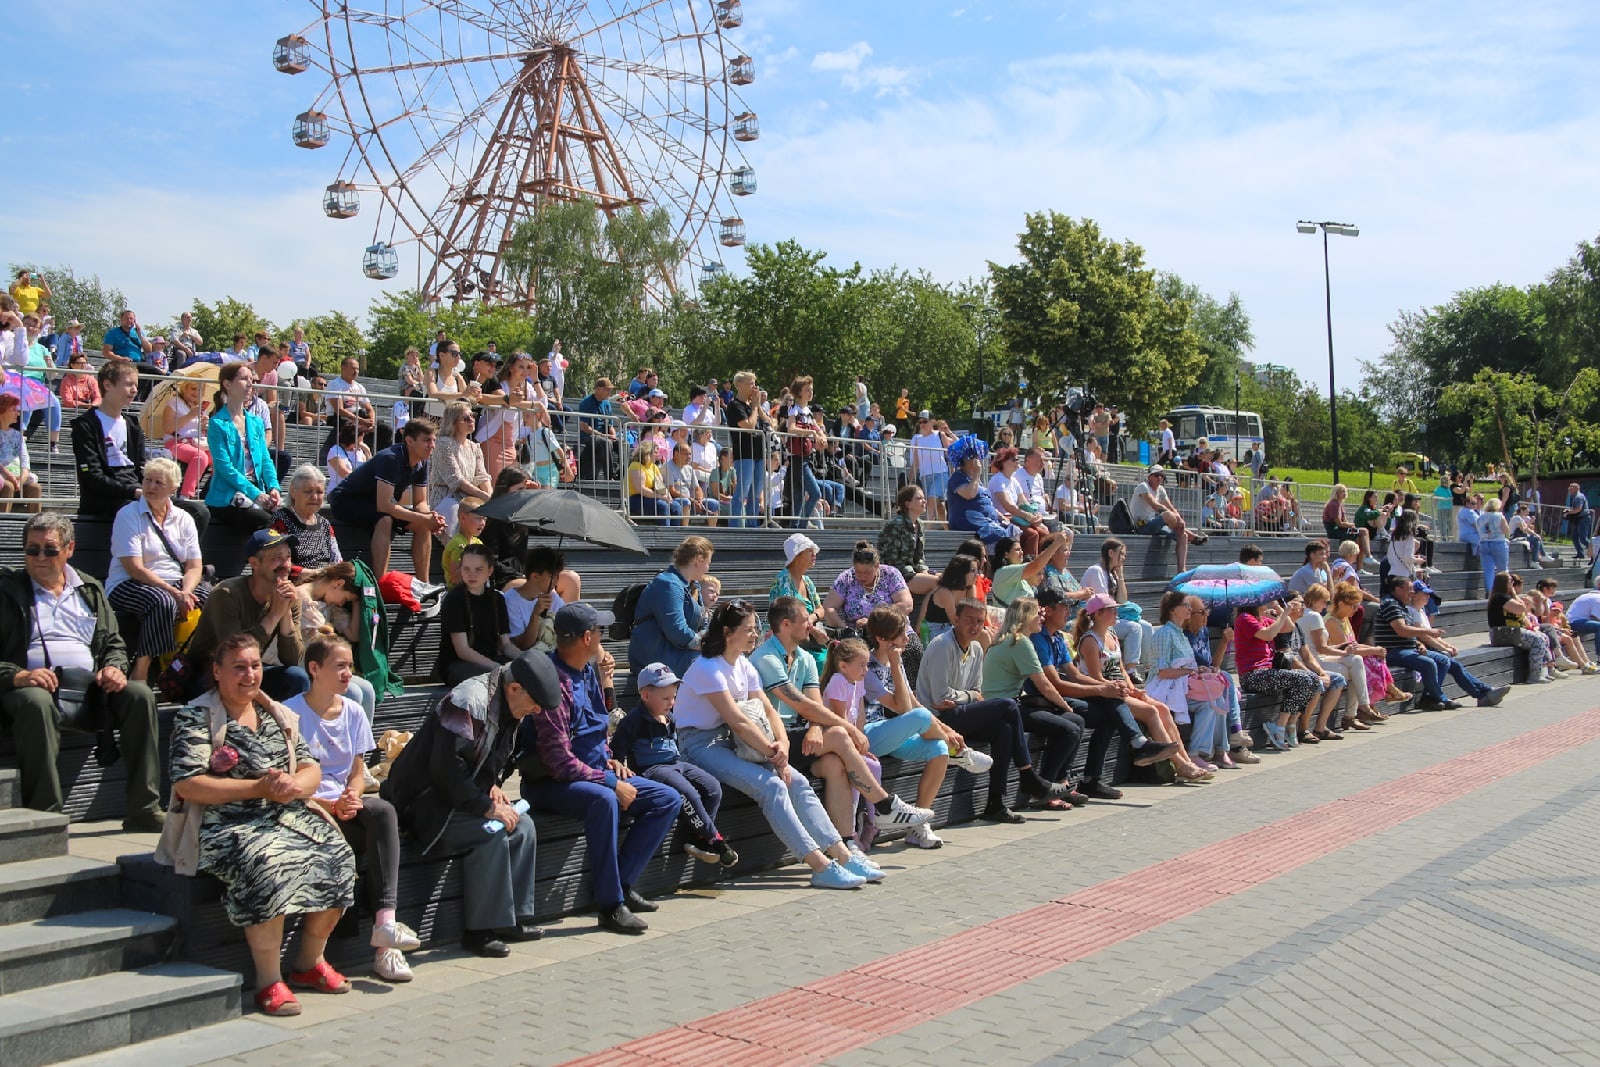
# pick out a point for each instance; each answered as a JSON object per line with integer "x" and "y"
{"x": 997, "y": 660}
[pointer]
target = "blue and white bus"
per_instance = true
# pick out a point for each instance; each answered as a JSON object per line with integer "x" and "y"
{"x": 1192, "y": 422}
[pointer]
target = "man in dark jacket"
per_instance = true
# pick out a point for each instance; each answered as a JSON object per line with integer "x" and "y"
{"x": 108, "y": 450}
{"x": 567, "y": 769}
{"x": 445, "y": 787}
{"x": 52, "y": 616}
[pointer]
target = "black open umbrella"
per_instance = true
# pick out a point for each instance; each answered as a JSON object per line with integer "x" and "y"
{"x": 565, "y": 513}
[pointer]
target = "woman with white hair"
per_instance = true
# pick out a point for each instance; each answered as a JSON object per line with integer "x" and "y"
{"x": 314, "y": 544}
{"x": 155, "y": 577}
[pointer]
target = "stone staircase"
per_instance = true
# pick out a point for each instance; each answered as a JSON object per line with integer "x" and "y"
{"x": 78, "y": 974}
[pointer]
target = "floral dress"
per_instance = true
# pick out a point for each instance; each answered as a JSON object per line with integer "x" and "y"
{"x": 274, "y": 859}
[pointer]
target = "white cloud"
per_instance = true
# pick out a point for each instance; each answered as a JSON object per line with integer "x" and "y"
{"x": 848, "y": 59}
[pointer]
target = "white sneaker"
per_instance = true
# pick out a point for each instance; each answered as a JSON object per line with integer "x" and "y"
{"x": 1555, "y": 675}
{"x": 1370, "y": 562}
{"x": 1543, "y": 679}
{"x": 391, "y": 966}
{"x": 1565, "y": 664}
{"x": 970, "y": 759}
{"x": 902, "y": 814}
{"x": 395, "y": 935}
{"x": 920, "y": 836}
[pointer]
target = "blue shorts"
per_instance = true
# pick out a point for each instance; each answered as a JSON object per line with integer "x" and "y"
{"x": 1156, "y": 524}
{"x": 936, "y": 486}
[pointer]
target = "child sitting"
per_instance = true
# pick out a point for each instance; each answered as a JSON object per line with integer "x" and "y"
{"x": 647, "y": 741}
{"x": 469, "y": 531}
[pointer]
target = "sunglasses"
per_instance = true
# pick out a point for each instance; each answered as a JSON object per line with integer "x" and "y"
{"x": 42, "y": 550}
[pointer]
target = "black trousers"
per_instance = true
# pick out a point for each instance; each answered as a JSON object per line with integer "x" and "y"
{"x": 1105, "y": 718}
{"x": 376, "y": 831}
{"x": 998, "y": 724}
{"x": 1062, "y": 732}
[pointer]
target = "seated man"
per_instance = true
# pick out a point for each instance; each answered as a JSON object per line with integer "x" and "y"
{"x": 1419, "y": 646}
{"x": 52, "y": 616}
{"x": 821, "y": 742}
{"x": 567, "y": 769}
{"x": 1314, "y": 570}
{"x": 445, "y": 789}
{"x": 1152, "y": 513}
{"x": 1583, "y": 615}
{"x": 950, "y": 684}
{"x": 390, "y": 490}
{"x": 264, "y": 604}
{"x": 108, "y": 449}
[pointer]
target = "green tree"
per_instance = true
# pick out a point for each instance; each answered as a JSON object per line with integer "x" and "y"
{"x": 332, "y": 337}
{"x": 1080, "y": 308}
{"x": 81, "y": 297}
{"x": 1517, "y": 421}
{"x": 218, "y": 322}
{"x": 1225, "y": 336}
{"x": 397, "y": 321}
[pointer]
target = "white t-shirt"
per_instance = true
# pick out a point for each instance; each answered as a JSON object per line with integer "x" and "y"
{"x": 1169, "y": 443}
{"x": 927, "y": 454}
{"x": 182, "y": 426}
{"x": 1146, "y": 502}
{"x": 1066, "y": 497}
{"x": 713, "y": 674}
{"x": 334, "y": 744}
{"x": 1032, "y": 488}
{"x": 519, "y": 609}
{"x": 355, "y": 458}
{"x": 558, "y": 373}
{"x": 1585, "y": 608}
{"x": 853, "y": 694}
{"x": 1007, "y": 484}
{"x": 335, "y": 403}
{"x": 1308, "y": 625}
{"x": 115, "y": 432}
{"x": 1095, "y": 578}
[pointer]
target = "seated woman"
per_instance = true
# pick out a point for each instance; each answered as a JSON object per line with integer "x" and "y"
{"x": 17, "y": 480}
{"x": 183, "y": 434}
{"x": 1013, "y": 575}
{"x": 456, "y": 470}
{"x": 969, "y": 504}
{"x": 1292, "y": 647}
{"x": 244, "y": 485}
{"x": 240, "y": 755}
{"x": 339, "y": 736}
{"x": 330, "y": 600}
{"x": 1344, "y": 631}
{"x": 475, "y": 625}
{"x": 1199, "y": 634}
{"x": 1338, "y": 527}
{"x": 1335, "y": 659}
{"x": 1009, "y": 498}
{"x": 1508, "y": 627}
{"x": 794, "y": 580}
{"x": 1525, "y": 532}
{"x": 1011, "y": 667}
{"x": 155, "y": 576}
{"x": 864, "y": 585}
{"x": 670, "y": 613}
{"x": 1175, "y": 664}
{"x": 896, "y": 726}
{"x": 1057, "y": 576}
{"x": 901, "y": 543}
{"x": 648, "y": 495}
{"x": 1136, "y": 635}
{"x": 1254, "y": 655}
{"x": 1099, "y": 656}
{"x": 957, "y": 582}
{"x": 1552, "y": 618}
{"x": 718, "y": 703}
{"x": 314, "y": 543}
{"x": 80, "y": 391}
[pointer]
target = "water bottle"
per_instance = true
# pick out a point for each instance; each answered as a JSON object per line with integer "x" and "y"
{"x": 494, "y": 826}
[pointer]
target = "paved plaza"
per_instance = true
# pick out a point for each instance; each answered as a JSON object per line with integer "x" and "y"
{"x": 1426, "y": 893}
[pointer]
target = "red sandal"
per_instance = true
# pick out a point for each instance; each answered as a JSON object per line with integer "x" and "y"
{"x": 320, "y": 979}
{"x": 277, "y": 1000}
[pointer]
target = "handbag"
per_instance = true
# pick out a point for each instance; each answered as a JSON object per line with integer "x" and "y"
{"x": 755, "y": 712}
{"x": 1207, "y": 687}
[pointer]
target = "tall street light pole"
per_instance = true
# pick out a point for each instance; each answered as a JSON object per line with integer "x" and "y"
{"x": 1343, "y": 229}
{"x": 983, "y": 320}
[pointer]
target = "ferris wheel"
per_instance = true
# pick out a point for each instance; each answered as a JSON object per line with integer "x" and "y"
{"x": 461, "y": 118}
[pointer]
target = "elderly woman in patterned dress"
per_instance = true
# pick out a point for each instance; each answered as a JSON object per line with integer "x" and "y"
{"x": 314, "y": 545}
{"x": 239, "y": 754}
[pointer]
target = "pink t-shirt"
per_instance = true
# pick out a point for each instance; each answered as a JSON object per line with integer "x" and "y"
{"x": 851, "y": 694}
{"x": 1250, "y": 653}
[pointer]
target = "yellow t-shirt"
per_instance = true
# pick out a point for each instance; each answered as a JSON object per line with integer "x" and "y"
{"x": 27, "y": 297}
{"x": 651, "y": 477}
{"x": 902, "y": 407}
{"x": 452, "y": 557}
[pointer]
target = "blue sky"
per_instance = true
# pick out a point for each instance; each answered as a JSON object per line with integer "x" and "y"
{"x": 1461, "y": 137}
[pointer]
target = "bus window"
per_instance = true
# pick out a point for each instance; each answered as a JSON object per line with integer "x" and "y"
{"x": 1188, "y": 428}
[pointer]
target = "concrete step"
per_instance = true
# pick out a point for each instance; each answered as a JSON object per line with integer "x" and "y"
{"x": 10, "y": 788}
{"x": 29, "y": 835}
{"x": 91, "y": 1015}
{"x": 66, "y": 948}
{"x": 55, "y": 885}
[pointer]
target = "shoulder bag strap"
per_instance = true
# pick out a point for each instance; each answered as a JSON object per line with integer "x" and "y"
{"x": 44, "y": 646}
{"x": 166, "y": 544}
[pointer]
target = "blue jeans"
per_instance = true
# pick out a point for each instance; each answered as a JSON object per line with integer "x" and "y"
{"x": 615, "y": 866}
{"x": 747, "y": 491}
{"x": 1496, "y": 557}
{"x": 1588, "y": 626}
{"x": 793, "y": 810}
{"x": 833, "y": 492}
{"x": 901, "y": 737}
{"x": 655, "y": 507}
{"x": 1578, "y": 529}
{"x": 810, "y": 489}
{"x": 1135, "y": 636}
{"x": 1433, "y": 666}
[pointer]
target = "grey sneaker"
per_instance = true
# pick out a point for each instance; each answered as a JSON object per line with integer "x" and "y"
{"x": 971, "y": 760}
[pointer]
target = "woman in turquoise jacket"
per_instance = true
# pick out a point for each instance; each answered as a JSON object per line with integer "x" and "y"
{"x": 243, "y": 492}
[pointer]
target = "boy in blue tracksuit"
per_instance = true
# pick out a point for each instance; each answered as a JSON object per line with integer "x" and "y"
{"x": 647, "y": 741}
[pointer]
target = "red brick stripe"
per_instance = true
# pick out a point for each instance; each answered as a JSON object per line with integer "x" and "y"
{"x": 845, "y": 1011}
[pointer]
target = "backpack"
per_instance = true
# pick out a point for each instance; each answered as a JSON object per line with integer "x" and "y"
{"x": 1120, "y": 522}
{"x": 624, "y": 605}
